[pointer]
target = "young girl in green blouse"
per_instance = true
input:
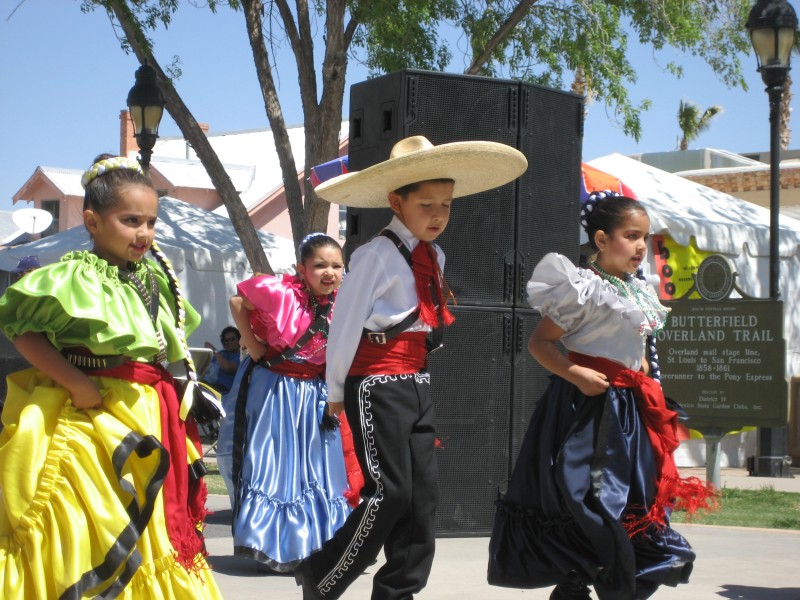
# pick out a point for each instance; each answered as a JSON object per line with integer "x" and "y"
{"x": 100, "y": 473}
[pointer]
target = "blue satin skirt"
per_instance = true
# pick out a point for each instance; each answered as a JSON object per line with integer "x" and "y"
{"x": 585, "y": 465}
{"x": 288, "y": 495}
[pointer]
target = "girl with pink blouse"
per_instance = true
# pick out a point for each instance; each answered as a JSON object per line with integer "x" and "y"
{"x": 278, "y": 448}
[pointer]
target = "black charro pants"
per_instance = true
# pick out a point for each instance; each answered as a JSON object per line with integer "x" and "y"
{"x": 393, "y": 425}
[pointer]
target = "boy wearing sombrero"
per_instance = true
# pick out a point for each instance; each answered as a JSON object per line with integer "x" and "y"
{"x": 392, "y": 297}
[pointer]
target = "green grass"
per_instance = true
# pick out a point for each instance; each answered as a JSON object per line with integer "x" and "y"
{"x": 764, "y": 508}
{"x": 214, "y": 481}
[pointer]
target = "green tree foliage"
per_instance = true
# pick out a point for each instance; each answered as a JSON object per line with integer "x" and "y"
{"x": 542, "y": 41}
{"x": 693, "y": 122}
{"x": 555, "y": 38}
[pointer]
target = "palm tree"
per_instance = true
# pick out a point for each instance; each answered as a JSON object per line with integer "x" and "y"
{"x": 785, "y": 114}
{"x": 581, "y": 86}
{"x": 692, "y": 122}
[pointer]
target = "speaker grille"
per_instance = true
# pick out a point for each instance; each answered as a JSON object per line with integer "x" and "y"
{"x": 530, "y": 380}
{"x": 452, "y": 108}
{"x": 470, "y": 383}
{"x": 549, "y": 191}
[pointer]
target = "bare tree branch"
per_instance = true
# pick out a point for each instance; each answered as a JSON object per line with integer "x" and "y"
{"x": 513, "y": 19}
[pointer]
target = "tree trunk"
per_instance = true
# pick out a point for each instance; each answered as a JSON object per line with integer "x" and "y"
{"x": 194, "y": 135}
{"x": 294, "y": 200}
{"x": 322, "y": 119}
{"x": 580, "y": 86}
{"x": 327, "y": 115}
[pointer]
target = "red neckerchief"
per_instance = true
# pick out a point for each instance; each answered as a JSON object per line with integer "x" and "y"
{"x": 184, "y": 499}
{"x": 427, "y": 275}
{"x": 672, "y": 490}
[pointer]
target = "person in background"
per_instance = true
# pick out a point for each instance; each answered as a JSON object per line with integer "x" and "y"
{"x": 225, "y": 362}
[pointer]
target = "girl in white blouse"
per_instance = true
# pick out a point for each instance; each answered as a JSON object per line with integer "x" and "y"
{"x": 594, "y": 484}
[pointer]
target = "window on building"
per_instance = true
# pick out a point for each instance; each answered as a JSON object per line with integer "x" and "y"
{"x": 53, "y": 207}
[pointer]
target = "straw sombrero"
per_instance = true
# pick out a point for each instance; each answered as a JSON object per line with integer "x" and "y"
{"x": 474, "y": 166}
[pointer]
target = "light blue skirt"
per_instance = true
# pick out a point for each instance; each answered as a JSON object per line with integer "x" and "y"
{"x": 288, "y": 496}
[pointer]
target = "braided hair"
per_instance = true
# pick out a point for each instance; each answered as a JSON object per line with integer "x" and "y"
{"x": 180, "y": 310}
{"x": 106, "y": 176}
{"x": 605, "y": 211}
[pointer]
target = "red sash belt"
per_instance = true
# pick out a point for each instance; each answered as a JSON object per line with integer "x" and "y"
{"x": 404, "y": 354}
{"x": 298, "y": 370}
{"x": 661, "y": 422}
{"x": 184, "y": 499}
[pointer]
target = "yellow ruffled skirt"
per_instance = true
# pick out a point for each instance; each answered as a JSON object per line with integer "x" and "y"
{"x": 81, "y": 508}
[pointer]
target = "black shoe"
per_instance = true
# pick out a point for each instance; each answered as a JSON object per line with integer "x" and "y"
{"x": 571, "y": 591}
{"x": 303, "y": 578}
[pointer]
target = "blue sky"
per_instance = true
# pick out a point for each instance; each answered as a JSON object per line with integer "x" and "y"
{"x": 65, "y": 80}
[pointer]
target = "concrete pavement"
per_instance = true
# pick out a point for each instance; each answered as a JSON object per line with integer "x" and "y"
{"x": 741, "y": 563}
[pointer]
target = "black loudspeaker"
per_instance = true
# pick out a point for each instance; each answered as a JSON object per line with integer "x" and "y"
{"x": 495, "y": 238}
{"x": 485, "y": 383}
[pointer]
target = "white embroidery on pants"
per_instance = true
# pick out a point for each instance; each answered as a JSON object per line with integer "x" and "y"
{"x": 371, "y": 454}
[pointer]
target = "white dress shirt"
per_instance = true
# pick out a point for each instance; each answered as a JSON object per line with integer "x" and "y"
{"x": 377, "y": 292}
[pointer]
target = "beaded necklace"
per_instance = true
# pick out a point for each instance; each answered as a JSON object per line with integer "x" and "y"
{"x": 150, "y": 300}
{"x": 640, "y": 295}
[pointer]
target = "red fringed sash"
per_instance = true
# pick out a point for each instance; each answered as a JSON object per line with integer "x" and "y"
{"x": 672, "y": 490}
{"x": 355, "y": 478}
{"x": 184, "y": 499}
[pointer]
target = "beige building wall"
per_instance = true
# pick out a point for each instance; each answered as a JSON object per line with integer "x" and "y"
{"x": 752, "y": 183}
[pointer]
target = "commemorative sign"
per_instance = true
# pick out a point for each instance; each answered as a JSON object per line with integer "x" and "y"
{"x": 723, "y": 361}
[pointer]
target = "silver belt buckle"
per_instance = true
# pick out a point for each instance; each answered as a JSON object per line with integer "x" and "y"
{"x": 378, "y": 337}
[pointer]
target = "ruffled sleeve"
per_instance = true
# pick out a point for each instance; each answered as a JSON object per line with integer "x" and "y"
{"x": 570, "y": 296}
{"x": 282, "y": 313}
{"x": 595, "y": 319}
{"x": 80, "y": 301}
{"x": 67, "y": 301}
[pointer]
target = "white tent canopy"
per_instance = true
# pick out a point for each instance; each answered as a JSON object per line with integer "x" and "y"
{"x": 204, "y": 250}
{"x": 726, "y": 225}
{"x": 718, "y": 221}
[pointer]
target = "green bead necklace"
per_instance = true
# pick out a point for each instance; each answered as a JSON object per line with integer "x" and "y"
{"x": 641, "y": 295}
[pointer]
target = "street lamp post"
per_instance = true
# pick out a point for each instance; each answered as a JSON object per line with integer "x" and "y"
{"x": 773, "y": 29}
{"x": 146, "y": 107}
